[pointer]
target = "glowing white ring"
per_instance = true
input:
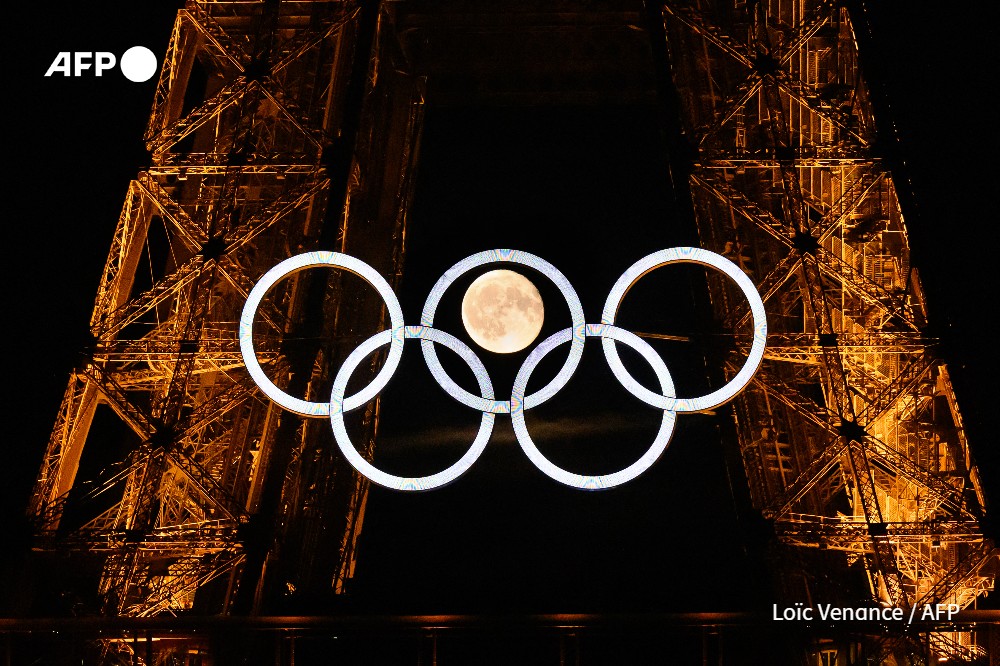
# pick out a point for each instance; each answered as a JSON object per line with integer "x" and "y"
{"x": 577, "y": 326}
{"x": 687, "y": 255}
{"x": 294, "y": 265}
{"x": 597, "y": 481}
{"x": 518, "y": 404}
{"x": 338, "y": 406}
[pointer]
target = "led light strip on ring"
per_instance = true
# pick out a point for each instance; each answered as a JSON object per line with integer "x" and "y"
{"x": 485, "y": 402}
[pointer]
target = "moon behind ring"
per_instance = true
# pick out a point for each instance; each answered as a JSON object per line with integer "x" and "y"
{"x": 502, "y": 311}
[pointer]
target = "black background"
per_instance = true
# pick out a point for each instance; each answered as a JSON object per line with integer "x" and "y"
{"x": 74, "y": 144}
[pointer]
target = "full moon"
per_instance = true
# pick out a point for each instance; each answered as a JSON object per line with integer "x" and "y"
{"x": 502, "y": 311}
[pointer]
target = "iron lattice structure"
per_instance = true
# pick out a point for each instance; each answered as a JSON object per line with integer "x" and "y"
{"x": 280, "y": 127}
{"x": 850, "y": 435}
{"x": 268, "y": 138}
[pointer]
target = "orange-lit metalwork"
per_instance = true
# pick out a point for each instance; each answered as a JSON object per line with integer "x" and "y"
{"x": 851, "y": 436}
{"x": 252, "y": 159}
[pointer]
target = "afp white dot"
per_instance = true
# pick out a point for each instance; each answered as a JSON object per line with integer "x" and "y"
{"x": 138, "y": 64}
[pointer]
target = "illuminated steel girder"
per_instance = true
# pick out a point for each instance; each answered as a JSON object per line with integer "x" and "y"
{"x": 276, "y": 128}
{"x": 850, "y": 435}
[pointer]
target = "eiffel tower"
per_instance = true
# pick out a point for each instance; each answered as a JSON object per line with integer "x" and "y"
{"x": 284, "y": 127}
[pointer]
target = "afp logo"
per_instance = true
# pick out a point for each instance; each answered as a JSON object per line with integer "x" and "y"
{"x": 138, "y": 64}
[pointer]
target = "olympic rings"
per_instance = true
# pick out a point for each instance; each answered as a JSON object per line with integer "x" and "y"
{"x": 514, "y": 257}
{"x": 486, "y": 403}
{"x": 337, "y": 409}
{"x": 291, "y": 266}
{"x": 687, "y": 255}
{"x": 601, "y": 481}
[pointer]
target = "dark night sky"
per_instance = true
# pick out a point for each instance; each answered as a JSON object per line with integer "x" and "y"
{"x": 77, "y": 142}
